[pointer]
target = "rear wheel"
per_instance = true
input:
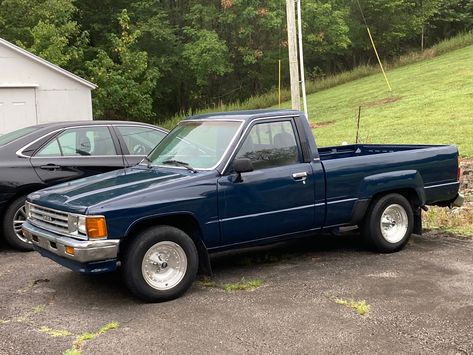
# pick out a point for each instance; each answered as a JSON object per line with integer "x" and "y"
{"x": 160, "y": 264}
{"x": 14, "y": 218}
{"x": 388, "y": 223}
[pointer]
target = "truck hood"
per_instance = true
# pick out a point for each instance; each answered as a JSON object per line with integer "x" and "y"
{"x": 78, "y": 195}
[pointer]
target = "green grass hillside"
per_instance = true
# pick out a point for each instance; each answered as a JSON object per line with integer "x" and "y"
{"x": 431, "y": 102}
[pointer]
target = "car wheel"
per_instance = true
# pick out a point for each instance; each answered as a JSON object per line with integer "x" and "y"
{"x": 160, "y": 264}
{"x": 14, "y": 218}
{"x": 388, "y": 223}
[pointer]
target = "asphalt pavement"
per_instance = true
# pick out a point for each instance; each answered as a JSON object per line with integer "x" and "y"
{"x": 418, "y": 301}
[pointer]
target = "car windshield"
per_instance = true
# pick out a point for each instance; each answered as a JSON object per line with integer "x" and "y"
{"x": 195, "y": 144}
{"x": 10, "y": 137}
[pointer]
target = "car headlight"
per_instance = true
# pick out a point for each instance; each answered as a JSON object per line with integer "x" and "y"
{"x": 28, "y": 209}
{"x": 93, "y": 227}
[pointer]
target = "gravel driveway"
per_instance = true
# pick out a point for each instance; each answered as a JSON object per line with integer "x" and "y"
{"x": 419, "y": 300}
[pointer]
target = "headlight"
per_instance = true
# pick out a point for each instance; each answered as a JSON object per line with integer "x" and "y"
{"x": 81, "y": 225}
{"x": 94, "y": 227}
{"x": 27, "y": 210}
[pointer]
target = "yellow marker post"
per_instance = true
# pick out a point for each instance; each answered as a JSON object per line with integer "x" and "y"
{"x": 279, "y": 84}
{"x": 379, "y": 60}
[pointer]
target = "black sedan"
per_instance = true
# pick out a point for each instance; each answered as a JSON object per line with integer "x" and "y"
{"x": 36, "y": 157}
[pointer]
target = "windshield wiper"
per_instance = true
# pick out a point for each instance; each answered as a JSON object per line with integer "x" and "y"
{"x": 149, "y": 161}
{"x": 180, "y": 163}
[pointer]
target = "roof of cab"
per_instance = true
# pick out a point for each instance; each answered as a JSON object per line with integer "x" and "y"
{"x": 245, "y": 115}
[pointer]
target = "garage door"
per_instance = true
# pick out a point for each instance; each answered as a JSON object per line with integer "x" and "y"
{"x": 17, "y": 108}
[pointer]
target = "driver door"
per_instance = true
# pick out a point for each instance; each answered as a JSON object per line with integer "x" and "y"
{"x": 277, "y": 197}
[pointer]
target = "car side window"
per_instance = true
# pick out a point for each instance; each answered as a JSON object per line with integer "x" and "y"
{"x": 140, "y": 140}
{"x": 76, "y": 142}
{"x": 270, "y": 145}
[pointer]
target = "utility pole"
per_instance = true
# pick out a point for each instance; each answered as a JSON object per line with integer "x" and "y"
{"x": 293, "y": 64}
{"x": 301, "y": 58}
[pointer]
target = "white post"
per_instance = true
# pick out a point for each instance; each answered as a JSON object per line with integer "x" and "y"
{"x": 292, "y": 46}
{"x": 301, "y": 58}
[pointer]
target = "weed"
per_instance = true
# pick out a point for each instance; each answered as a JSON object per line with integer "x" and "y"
{"x": 55, "y": 333}
{"x": 39, "y": 308}
{"x": 87, "y": 336}
{"x": 456, "y": 220}
{"x": 360, "y": 307}
{"x": 242, "y": 285}
{"x": 206, "y": 283}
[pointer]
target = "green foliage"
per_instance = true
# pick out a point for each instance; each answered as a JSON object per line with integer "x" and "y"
{"x": 44, "y": 27}
{"x": 242, "y": 285}
{"x": 153, "y": 59}
{"x": 360, "y": 307}
{"x": 124, "y": 78}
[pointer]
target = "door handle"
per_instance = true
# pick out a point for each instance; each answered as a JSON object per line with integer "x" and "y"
{"x": 50, "y": 167}
{"x": 302, "y": 176}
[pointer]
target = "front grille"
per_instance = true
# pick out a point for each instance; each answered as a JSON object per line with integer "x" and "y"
{"x": 47, "y": 218}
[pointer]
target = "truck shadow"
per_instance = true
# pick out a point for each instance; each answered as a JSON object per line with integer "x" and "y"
{"x": 287, "y": 251}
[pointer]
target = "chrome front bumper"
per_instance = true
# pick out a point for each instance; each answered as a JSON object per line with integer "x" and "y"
{"x": 85, "y": 251}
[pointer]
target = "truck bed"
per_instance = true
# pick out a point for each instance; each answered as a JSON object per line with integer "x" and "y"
{"x": 356, "y": 150}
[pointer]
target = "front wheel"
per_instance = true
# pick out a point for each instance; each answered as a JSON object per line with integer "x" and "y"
{"x": 160, "y": 264}
{"x": 388, "y": 223}
{"x": 14, "y": 218}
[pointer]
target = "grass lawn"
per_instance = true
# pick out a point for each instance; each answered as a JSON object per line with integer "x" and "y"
{"x": 431, "y": 102}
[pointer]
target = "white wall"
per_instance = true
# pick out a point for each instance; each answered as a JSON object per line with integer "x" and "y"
{"x": 57, "y": 96}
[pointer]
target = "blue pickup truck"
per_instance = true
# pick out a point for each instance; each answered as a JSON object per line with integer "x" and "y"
{"x": 228, "y": 180}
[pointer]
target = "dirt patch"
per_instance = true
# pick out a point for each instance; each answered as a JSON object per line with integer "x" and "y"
{"x": 387, "y": 100}
{"x": 321, "y": 124}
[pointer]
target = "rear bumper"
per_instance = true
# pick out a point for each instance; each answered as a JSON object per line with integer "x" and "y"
{"x": 89, "y": 256}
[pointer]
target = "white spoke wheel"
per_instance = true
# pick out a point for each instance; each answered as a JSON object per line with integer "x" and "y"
{"x": 160, "y": 263}
{"x": 394, "y": 223}
{"x": 388, "y": 223}
{"x": 164, "y": 265}
{"x": 13, "y": 220}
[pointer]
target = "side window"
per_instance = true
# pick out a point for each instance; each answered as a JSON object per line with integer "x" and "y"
{"x": 270, "y": 145}
{"x": 76, "y": 142}
{"x": 140, "y": 140}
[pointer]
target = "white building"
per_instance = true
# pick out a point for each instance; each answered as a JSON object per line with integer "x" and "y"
{"x": 33, "y": 91}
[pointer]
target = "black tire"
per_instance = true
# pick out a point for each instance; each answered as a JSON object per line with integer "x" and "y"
{"x": 159, "y": 237}
{"x": 13, "y": 211}
{"x": 391, "y": 205}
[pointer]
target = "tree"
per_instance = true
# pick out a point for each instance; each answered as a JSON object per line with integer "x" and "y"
{"x": 125, "y": 80}
{"x": 45, "y": 28}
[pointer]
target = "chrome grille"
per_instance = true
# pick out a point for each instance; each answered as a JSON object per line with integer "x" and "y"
{"x": 53, "y": 220}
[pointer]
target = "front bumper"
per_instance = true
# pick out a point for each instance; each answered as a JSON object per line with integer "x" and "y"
{"x": 87, "y": 253}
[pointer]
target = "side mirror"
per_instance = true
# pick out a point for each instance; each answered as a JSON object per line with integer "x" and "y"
{"x": 242, "y": 165}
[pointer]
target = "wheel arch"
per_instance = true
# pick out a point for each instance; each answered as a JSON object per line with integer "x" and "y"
{"x": 414, "y": 199}
{"x": 183, "y": 221}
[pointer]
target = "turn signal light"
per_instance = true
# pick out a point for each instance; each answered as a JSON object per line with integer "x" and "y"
{"x": 69, "y": 250}
{"x": 96, "y": 227}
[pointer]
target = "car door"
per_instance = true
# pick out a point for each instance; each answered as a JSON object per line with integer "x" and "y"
{"x": 277, "y": 197}
{"x": 77, "y": 152}
{"x": 138, "y": 141}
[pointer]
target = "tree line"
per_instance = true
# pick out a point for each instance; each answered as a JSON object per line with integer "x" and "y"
{"x": 154, "y": 58}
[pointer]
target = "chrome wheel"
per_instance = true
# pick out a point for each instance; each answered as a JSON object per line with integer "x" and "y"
{"x": 18, "y": 219}
{"x": 394, "y": 223}
{"x": 164, "y": 265}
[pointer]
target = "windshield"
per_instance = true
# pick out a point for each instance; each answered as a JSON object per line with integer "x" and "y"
{"x": 197, "y": 144}
{"x": 10, "y": 137}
